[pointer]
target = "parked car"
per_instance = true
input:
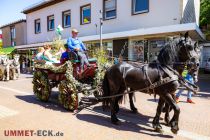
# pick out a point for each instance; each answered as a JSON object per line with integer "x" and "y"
{"x": 207, "y": 66}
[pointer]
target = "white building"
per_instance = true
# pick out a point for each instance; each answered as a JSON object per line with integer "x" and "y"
{"x": 137, "y": 23}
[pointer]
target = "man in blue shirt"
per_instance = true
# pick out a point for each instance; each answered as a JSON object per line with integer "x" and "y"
{"x": 76, "y": 45}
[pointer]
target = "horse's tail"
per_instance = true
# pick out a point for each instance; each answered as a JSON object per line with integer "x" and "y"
{"x": 106, "y": 91}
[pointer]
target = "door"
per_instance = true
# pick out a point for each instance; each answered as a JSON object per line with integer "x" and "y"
{"x": 120, "y": 46}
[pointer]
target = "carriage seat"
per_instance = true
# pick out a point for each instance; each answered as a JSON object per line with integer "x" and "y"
{"x": 75, "y": 59}
{"x": 91, "y": 60}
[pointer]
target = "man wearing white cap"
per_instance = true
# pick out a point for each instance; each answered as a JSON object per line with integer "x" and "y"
{"x": 76, "y": 45}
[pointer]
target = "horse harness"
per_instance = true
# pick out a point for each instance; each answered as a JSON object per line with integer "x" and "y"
{"x": 162, "y": 81}
{"x": 151, "y": 86}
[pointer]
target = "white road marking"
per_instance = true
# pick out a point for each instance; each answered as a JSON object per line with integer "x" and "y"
{"x": 187, "y": 134}
{"x": 16, "y": 91}
{"x": 6, "y": 112}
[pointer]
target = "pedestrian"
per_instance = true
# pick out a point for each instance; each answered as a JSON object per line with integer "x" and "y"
{"x": 189, "y": 78}
{"x": 24, "y": 65}
{"x": 28, "y": 63}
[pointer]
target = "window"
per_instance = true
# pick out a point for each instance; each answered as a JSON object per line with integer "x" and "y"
{"x": 66, "y": 19}
{"x": 85, "y": 14}
{"x": 37, "y": 26}
{"x": 13, "y": 33}
{"x": 110, "y": 7}
{"x": 140, "y": 6}
{"x": 50, "y": 23}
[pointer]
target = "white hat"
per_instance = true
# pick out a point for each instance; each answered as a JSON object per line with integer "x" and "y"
{"x": 75, "y": 30}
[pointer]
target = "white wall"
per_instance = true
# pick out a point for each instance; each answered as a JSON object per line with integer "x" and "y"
{"x": 161, "y": 13}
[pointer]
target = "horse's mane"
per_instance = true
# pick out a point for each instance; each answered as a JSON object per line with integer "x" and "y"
{"x": 169, "y": 53}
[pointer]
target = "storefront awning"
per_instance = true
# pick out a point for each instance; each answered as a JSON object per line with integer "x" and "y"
{"x": 7, "y": 50}
{"x": 170, "y": 30}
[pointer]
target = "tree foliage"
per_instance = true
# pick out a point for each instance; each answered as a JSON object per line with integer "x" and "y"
{"x": 205, "y": 12}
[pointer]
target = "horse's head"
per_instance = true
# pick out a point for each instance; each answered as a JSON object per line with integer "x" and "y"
{"x": 16, "y": 59}
{"x": 193, "y": 65}
{"x": 189, "y": 53}
{"x": 4, "y": 59}
{"x": 187, "y": 49}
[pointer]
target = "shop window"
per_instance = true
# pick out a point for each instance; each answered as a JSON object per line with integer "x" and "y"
{"x": 136, "y": 50}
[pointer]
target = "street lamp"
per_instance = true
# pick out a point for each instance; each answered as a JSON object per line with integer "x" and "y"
{"x": 101, "y": 28}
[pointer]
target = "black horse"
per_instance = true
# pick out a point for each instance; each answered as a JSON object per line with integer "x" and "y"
{"x": 193, "y": 69}
{"x": 123, "y": 75}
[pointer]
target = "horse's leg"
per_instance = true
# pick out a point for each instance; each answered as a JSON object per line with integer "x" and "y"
{"x": 156, "y": 123}
{"x": 132, "y": 106}
{"x": 167, "y": 109}
{"x": 7, "y": 69}
{"x": 174, "y": 121}
{"x": 18, "y": 69}
{"x": 116, "y": 104}
{"x": 114, "y": 118}
{"x": 4, "y": 74}
{"x": 167, "y": 117}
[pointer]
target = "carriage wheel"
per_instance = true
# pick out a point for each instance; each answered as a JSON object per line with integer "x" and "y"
{"x": 67, "y": 97}
{"x": 41, "y": 86}
{"x": 1, "y": 75}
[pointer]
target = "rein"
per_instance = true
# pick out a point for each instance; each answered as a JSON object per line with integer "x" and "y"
{"x": 154, "y": 85}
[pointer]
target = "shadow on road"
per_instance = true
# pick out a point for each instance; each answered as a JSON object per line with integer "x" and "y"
{"x": 51, "y": 104}
{"x": 133, "y": 122}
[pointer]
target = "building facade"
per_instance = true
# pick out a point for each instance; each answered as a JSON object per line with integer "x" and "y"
{"x": 138, "y": 27}
{"x": 14, "y": 34}
{"x": 1, "y": 43}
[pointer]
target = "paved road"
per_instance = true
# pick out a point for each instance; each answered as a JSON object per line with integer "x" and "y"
{"x": 20, "y": 110}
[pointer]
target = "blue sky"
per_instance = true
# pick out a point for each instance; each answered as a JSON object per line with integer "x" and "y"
{"x": 10, "y": 10}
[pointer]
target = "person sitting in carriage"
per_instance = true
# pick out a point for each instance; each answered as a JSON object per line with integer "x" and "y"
{"x": 65, "y": 55}
{"x": 47, "y": 56}
{"x": 77, "y": 46}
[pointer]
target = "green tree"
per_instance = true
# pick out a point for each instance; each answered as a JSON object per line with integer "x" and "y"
{"x": 205, "y": 12}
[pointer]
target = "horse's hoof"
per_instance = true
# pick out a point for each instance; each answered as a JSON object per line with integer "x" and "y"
{"x": 116, "y": 122}
{"x": 135, "y": 111}
{"x": 175, "y": 131}
{"x": 158, "y": 128}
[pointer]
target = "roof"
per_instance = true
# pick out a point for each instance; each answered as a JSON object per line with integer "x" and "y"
{"x": 13, "y": 23}
{"x": 40, "y": 5}
{"x": 171, "y": 30}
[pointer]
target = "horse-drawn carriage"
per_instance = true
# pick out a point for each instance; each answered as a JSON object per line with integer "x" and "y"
{"x": 160, "y": 77}
{"x": 9, "y": 69}
{"x": 67, "y": 77}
